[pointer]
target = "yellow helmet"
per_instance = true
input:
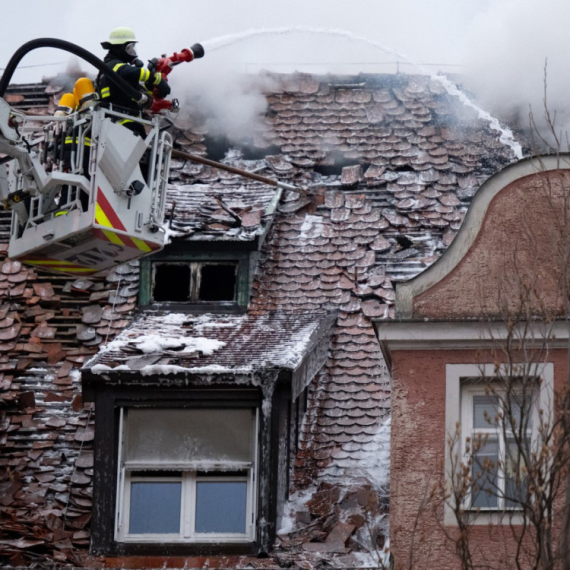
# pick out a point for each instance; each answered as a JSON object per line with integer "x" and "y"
{"x": 119, "y": 36}
{"x": 84, "y": 92}
{"x": 67, "y": 105}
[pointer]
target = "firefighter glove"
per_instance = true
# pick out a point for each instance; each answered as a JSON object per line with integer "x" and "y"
{"x": 197, "y": 50}
{"x": 161, "y": 85}
{"x": 163, "y": 89}
{"x": 145, "y": 101}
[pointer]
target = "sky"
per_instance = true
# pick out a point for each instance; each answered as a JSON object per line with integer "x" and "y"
{"x": 498, "y": 46}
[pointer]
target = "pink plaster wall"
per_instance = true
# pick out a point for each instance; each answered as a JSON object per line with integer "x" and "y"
{"x": 524, "y": 243}
{"x": 418, "y": 443}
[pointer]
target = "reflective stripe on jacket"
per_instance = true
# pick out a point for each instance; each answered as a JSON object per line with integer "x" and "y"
{"x": 133, "y": 75}
{"x": 86, "y": 141}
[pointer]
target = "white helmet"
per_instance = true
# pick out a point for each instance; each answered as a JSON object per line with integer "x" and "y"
{"x": 120, "y": 36}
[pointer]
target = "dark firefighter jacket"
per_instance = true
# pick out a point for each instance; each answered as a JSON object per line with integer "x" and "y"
{"x": 136, "y": 76}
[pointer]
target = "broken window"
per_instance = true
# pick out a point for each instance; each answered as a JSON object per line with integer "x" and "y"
{"x": 193, "y": 469}
{"x": 217, "y": 282}
{"x": 194, "y": 282}
{"x": 171, "y": 282}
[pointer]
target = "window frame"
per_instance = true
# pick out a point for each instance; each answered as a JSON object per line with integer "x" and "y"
{"x": 123, "y": 508}
{"x": 242, "y": 283}
{"x": 469, "y": 390}
{"x": 189, "y": 476}
{"x": 458, "y": 378}
{"x": 195, "y": 280}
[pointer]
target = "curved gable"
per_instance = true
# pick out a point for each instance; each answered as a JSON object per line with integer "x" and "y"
{"x": 512, "y": 246}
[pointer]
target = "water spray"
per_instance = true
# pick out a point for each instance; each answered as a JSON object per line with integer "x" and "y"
{"x": 506, "y": 135}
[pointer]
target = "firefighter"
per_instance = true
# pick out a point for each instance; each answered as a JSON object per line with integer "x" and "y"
{"x": 67, "y": 105}
{"x": 83, "y": 96}
{"x": 122, "y": 58}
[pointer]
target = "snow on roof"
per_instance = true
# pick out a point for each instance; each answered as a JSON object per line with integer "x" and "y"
{"x": 165, "y": 343}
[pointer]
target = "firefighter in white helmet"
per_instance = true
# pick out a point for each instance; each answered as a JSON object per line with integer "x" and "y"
{"x": 122, "y": 58}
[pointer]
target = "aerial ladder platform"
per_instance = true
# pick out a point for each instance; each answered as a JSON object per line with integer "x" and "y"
{"x": 102, "y": 210}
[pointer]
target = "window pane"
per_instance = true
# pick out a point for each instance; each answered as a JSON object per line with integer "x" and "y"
{"x": 171, "y": 282}
{"x": 515, "y": 478}
{"x": 221, "y": 506}
{"x": 155, "y": 508}
{"x": 484, "y": 473}
{"x": 521, "y": 403}
{"x": 189, "y": 435}
{"x": 485, "y": 410}
{"x": 218, "y": 282}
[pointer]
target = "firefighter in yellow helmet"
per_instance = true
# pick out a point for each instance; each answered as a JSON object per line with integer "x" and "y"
{"x": 71, "y": 149}
{"x": 122, "y": 58}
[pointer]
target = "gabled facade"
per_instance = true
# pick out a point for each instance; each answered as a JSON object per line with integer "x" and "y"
{"x": 285, "y": 346}
{"x": 478, "y": 355}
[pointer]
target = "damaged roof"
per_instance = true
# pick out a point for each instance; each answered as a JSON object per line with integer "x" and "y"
{"x": 49, "y": 326}
{"x": 227, "y": 210}
{"x": 388, "y": 165}
{"x": 170, "y": 343}
{"x": 418, "y": 152}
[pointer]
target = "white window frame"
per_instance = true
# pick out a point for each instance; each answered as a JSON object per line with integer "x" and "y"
{"x": 131, "y": 472}
{"x": 458, "y": 412}
{"x": 468, "y": 431}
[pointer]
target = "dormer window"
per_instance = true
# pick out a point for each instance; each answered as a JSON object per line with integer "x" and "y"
{"x": 192, "y": 452}
{"x": 196, "y": 281}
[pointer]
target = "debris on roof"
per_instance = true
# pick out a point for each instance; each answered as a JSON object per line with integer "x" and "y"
{"x": 210, "y": 343}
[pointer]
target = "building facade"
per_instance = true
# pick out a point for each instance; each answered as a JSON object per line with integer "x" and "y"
{"x": 479, "y": 363}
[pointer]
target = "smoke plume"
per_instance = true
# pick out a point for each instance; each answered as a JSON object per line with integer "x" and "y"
{"x": 517, "y": 63}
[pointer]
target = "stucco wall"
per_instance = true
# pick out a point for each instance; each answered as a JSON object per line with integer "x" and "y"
{"x": 418, "y": 443}
{"x": 523, "y": 245}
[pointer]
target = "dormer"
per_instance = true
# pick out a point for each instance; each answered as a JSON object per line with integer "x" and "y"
{"x": 215, "y": 238}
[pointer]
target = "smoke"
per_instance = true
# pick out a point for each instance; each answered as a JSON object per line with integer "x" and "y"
{"x": 501, "y": 58}
{"x": 515, "y": 55}
{"x": 499, "y": 47}
{"x": 228, "y": 85}
{"x": 228, "y": 102}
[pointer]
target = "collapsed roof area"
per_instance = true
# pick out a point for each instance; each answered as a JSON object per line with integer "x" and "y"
{"x": 387, "y": 166}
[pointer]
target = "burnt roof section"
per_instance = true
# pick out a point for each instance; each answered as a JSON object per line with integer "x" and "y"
{"x": 401, "y": 122}
{"x": 162, "y": 343}
{"x": 416, "y": 151}
{"x": 226, "y": 210}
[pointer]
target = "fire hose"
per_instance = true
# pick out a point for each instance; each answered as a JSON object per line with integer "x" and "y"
{"x": 75, "y": 50}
